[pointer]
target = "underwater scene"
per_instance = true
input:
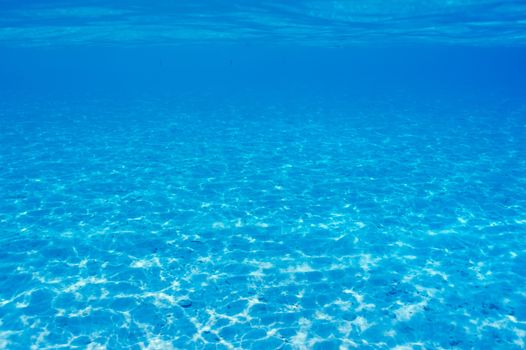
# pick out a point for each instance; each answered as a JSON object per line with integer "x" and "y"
{"x": 310, "y": 174}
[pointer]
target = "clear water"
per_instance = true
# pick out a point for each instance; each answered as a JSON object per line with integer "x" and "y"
{"x": 239, "y": 175}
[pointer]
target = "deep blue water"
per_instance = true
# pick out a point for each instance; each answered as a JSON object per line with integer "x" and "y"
{"x": 240, "y": 175}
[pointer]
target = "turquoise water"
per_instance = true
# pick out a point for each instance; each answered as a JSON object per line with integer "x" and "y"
{"x": 306, "y": 22}
{"x": 238, "y": 175}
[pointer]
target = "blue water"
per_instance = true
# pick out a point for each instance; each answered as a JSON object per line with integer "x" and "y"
{"x": 249, "y": 175}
